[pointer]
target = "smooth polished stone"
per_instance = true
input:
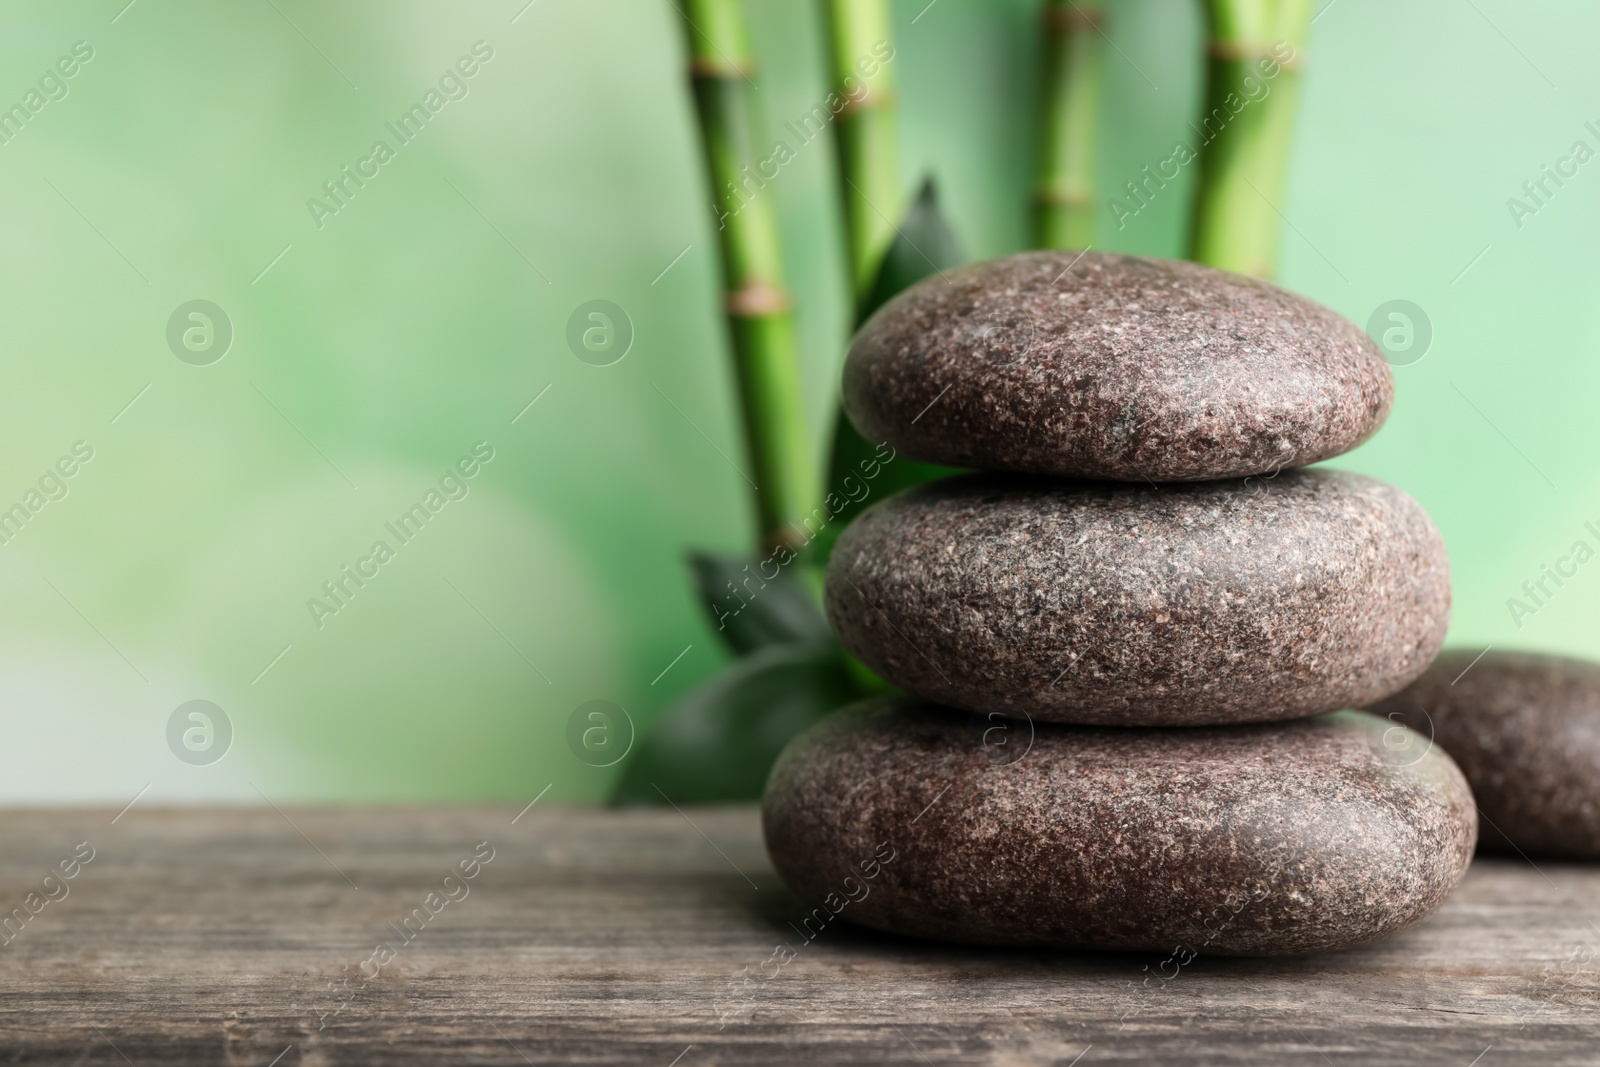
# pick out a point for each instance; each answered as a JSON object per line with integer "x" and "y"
{"x": 1282, "y": 838}
{"x": 1130, "y": 605}
{"x": 1113, "y": 367}
{"x": 1525, "y": 729}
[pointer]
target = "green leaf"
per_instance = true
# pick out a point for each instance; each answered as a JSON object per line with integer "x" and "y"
{"x": 853, "y": 457}
{"x": 718, "y": 742}
{"x": 751, "y": 611}
{"x": 924, "y": 245}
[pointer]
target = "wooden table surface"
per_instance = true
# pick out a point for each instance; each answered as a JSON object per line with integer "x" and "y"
{"x": 245, "y": 936}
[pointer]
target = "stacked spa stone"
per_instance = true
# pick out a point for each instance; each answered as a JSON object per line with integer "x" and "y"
{"x": 1152, "y": 615}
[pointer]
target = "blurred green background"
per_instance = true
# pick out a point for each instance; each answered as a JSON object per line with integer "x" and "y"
{"x": 371, "y": 353}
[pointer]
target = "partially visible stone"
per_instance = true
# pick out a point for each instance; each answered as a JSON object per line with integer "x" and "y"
{"x": 1525, "y": 730}
{"x": 1247, "y": 840}
{"x": 1113, "y": 367}
{"x": 1128, "y": 605}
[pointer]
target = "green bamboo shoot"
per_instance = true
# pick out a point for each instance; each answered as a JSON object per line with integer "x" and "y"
{"x": 861, "y": 71}
{"x": 1256, "y": 50}
{"x": 1069, "y": 117}
{"x": 766, "y": 356}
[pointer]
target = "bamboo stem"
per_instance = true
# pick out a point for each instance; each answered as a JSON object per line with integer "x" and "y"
{"x": 1069, "y": 113}
{"x": 860, "y": 70}
{"x": 1252, "y": 88}
{"x": 766, "y": 356}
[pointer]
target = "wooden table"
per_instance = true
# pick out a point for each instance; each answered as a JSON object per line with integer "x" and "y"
{"x": 239, "y": 937}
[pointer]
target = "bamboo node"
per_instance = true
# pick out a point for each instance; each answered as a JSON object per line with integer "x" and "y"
{"x": 756, "y": 298}
{"x": 1239, "y": 51}
{"x": 1063, "y": 198}
{"x": 1073, "y": 18}
{"x": 867, "y": 101}
{"x": 717, "y": 67}
{"x": 786, "y": 537}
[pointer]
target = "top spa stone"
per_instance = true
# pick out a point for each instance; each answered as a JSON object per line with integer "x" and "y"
{"x": 1113, "y": 367}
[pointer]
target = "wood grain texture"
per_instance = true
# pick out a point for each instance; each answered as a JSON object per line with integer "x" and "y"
{"x": 593, "y": 937}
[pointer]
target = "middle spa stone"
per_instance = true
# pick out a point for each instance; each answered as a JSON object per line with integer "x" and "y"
{"x": 1127, "y": 605}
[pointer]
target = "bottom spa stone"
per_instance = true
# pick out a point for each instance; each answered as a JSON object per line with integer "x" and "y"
{"x": 1269, "y": 839}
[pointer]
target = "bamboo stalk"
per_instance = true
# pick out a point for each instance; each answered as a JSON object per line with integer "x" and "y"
{"x": 860, "y": 56}
{"x": 1256, "y": 47}
{"x": 1069, "y": 113}
{"x": 765, "y": 353}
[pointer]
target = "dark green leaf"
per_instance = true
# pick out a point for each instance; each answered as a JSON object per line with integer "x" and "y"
{"x": 718, "y": 741}
{"x": 924, "y": 246}
{"x": 854, "y": 458}
{"x": 751, "y": 611}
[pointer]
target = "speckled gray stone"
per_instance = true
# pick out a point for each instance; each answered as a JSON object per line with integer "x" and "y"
{"x": 1525, "y": 729}
{"x": 1121, "y": 368}
{"x": 1243, "y": 840}
{"x": 1126, "y": 605}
